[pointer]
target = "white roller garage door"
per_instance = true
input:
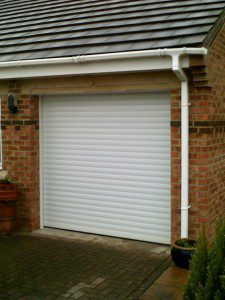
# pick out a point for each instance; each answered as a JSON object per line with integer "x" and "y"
{"x": 106, "y": 164}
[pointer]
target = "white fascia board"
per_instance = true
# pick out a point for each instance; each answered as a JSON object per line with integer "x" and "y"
{"x": 138, "y": 64}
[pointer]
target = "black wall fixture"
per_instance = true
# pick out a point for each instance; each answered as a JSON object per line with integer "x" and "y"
{"x": 12, "y": 103}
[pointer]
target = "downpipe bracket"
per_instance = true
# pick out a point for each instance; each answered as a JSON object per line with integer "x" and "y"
{"x": 185, "y": 207}
{"x": 188, "y": 104}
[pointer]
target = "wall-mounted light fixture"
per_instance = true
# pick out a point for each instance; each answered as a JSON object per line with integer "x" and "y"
{"x": 12, "y": 103}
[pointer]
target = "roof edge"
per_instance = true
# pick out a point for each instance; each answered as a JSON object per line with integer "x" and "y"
{"x": 215, "y": 31}
{"x": 133, "y": 61}
{"x": 79, "y": 59}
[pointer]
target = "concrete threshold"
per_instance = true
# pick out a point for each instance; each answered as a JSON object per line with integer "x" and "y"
{"x": 146, "y": 247}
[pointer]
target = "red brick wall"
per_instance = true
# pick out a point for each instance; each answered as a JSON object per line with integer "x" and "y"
{"x": 207, "y": 147}
{"x": 20, "y": 151}
{"x": 175, "y": 163}
{"x": 216, "y": 142}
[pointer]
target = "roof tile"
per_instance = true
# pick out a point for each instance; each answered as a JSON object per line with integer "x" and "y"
{"x": 43, "y": 29}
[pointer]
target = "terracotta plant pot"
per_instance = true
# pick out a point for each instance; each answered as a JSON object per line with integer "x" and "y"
{"x": 8, "y": 197}
{"x": 8, "y": 192}
{"x": 181, "y": 255}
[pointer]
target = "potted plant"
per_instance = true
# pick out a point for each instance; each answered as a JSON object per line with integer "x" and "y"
{"x": 8, "y": 198}
{"x": 182, "y": 251}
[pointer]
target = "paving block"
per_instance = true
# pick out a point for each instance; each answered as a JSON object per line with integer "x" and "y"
{"x": 77, "y": 295}
{"x": 74, "y": 289}
{"x": 98, "y": 281}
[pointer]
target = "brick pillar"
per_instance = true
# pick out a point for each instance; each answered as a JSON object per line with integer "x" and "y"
{"x": 20, "y": 147}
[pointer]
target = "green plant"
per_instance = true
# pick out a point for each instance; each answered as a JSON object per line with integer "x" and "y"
{"x": 186, "y": 243}
{"x": 6, "y": 180}
{"x": 206, "y": 280}
{"x": 216, "y": 269}
{"x": 198, "y": 267}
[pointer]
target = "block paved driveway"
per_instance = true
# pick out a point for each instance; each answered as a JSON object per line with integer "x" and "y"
{"x": 37, "y": 267}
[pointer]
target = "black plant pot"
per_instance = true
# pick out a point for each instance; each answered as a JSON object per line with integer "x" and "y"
{"x": 181, "y": 256}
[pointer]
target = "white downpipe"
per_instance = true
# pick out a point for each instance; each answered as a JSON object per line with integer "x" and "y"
{"x": 184, "y": 159}
{"x": 184, "y": 145}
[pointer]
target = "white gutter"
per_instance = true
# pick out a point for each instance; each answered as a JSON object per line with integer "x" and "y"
{"x": 103, "y": 57}
{"x": 133, "y": 61}
{"x": 122, "y": 62}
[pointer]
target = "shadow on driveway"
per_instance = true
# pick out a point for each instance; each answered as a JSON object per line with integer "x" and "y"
{"x": 37, "y": 267}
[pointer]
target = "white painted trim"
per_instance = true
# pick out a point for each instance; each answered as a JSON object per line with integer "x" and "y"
{"x": 41, "y": 200}
{"x": 118, "y": 91}
{"x": 133, "y": 61}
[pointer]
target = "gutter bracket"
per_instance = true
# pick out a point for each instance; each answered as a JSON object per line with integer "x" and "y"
{"x": 78, "y": 59}
{"x": 19, "y": 64}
